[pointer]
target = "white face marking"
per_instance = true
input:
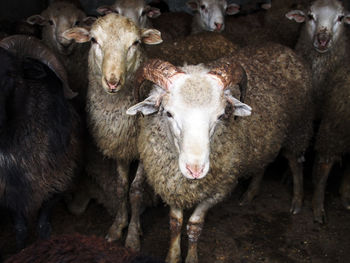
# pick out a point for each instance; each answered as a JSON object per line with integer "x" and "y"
{"x": 192, "y": 113}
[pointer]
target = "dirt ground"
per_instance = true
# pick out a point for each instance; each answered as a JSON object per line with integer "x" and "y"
{"x": 261, "y": 232}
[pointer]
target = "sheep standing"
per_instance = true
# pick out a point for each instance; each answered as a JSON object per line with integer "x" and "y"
{"x": 114, "y": 57}
{"x": 76, "y": 248}
{"x": 194, "y": 148}
{"x": 324, "y": 44}
{"x": 39, "y": 132}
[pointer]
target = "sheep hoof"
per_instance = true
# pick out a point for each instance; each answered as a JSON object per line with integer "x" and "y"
{"x": 320, "y": 216}
{"x": 133, "y": 238}
{"x": 296, "y": 206}
{"x": 192, "y": 258}
{"x": 44, "y": 230}
{"x": 114, "y": 234}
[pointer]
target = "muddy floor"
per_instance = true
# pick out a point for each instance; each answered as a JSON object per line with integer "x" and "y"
{"x": 261, "y": 232}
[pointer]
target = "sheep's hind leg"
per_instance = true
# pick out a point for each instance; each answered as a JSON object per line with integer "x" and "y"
{"x": 136, "y": 198}
{"x": 176, "y": 219}
{"x": 195, "y": 225}
{"x": 44, "y": 226}
{"x": 296, "y": 167}
{"x": 121, "y": 219}
{"x": 320, "y": 175}
{"x": 21, "y": 228}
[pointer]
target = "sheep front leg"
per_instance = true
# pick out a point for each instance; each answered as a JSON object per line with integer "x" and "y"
{"x": 176, "y": 219}
{"x": 195, "y": 226}
{"x": 121, "y": 219}
{"x": 136, "y": 198}
{"x": 320, "y": 175}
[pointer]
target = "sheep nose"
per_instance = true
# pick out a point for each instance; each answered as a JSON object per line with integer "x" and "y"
{"x": 113, "y": 83}
{"x": 195, "y": 170}
{"x": 323, "y": 39}
{"x": 218, "y": 26}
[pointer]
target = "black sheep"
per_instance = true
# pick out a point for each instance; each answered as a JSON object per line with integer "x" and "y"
{"x": 39, "y": 145}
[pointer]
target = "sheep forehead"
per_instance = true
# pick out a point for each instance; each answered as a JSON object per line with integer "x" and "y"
{"x": 63, "y": 9}
{"x": 197, "y": 90}
{"x": 113, "y": 27}
{"x": 212, "y": 2}
{"x": 130, "y": 4}
{"x": 326, "y": 8}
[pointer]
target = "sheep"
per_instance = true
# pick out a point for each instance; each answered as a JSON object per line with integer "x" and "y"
{"x": 39, "y": 132}
{"x": 114, "y": 57}
{"x": 210, "y": 14}
{"x": 58, "y": 17}
{"x": 137, "y": 10}
{"x": 77, "y": 248}
{"x": 324, "y": 44}
{"x": 322, "y": 41}
{"x": 193, "y": 143}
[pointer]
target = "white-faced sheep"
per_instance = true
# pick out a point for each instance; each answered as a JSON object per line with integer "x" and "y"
{"x": 324, "y": 44}
{"x": 76, "y": 248}
{"x": 210, "y": 14}
{"x": 114, "y": 57}
{"x": 39, "y": 132}
{"x": 137, "y": 10}
{"x": 193, "y": 145}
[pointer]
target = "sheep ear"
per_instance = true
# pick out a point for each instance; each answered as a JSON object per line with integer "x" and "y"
{"x": 296, "y": 15}
{"x": 36, "y": 20}
{"x": 347, "y": 19}
{"x": 232, "y": 9}
{"x": 151, "y": 36}
{"x": 146, "y": 107}
{"x": 193, "y": 5}
{"x": 79, "y": 34}
{"x": 88, "y": 21}
{"x": 153, "y": 12}
{"x": 266, "y": 6}
{"x": 104, "y": 10}
{"x": 241, "y": 109}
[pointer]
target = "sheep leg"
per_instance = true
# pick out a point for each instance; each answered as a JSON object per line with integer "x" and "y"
{"x": 320, "y": 175}
{"x": 296, "y": 167}
{"x": 44, "y": 226}
{"x": 176, "y": 219}
{"x": 253, "y": 188}
{"x": 345, "y": 188}
{"x": 21, "y": 229}
{"x": 121, "y": 219}
{"x": 195, "y": 226}
{"x": 136, "y": 194}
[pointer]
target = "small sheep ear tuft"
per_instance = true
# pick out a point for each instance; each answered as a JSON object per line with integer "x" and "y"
{"x": 296, "y": 15}
{"x": 104, "y": 10}
{"x": 232, "y": 9}
{"x": 36, "y": 20}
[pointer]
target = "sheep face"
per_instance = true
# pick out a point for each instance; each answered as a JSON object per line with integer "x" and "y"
{"x": 212, "y": 12}
{"x": 324, "y": 23}
{"x": 192, "y": 105}
{"x": 56, "y": 19}
{"x": 136, "y": 10}
{"x": 115, "y": 51}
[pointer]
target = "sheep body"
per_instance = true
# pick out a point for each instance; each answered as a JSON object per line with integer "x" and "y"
{"x": 39, "y": 145}
{"x": 78, "y": 248}
{"x": 277, "y": 78}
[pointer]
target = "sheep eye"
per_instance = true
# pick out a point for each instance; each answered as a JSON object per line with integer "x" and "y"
{"x": 93, "y": 40}
{"x": 143, "y": 13}
{"x": 169, "y": 115}
{"x": 51, "y": 22}
{"x": 340, "y": 18}
{"x": 222, "y": 116}
{"x": 76, "y": 23}
{"x": 202, "y": 7}
{"x": 310, "y": 16}
{"x": 137, "y": 42}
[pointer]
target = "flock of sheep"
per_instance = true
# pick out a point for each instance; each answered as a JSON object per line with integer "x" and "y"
{"x": 199, "y": 101}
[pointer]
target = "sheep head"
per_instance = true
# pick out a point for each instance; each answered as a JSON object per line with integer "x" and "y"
{"x": 136, "y": 10}
{"x": 212, "y": 12}
{"x": 324, "y": 23}
{"x": 192, "y": 100}
{"x": 115, "y": 53}
{"x": 56, "y": 19}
